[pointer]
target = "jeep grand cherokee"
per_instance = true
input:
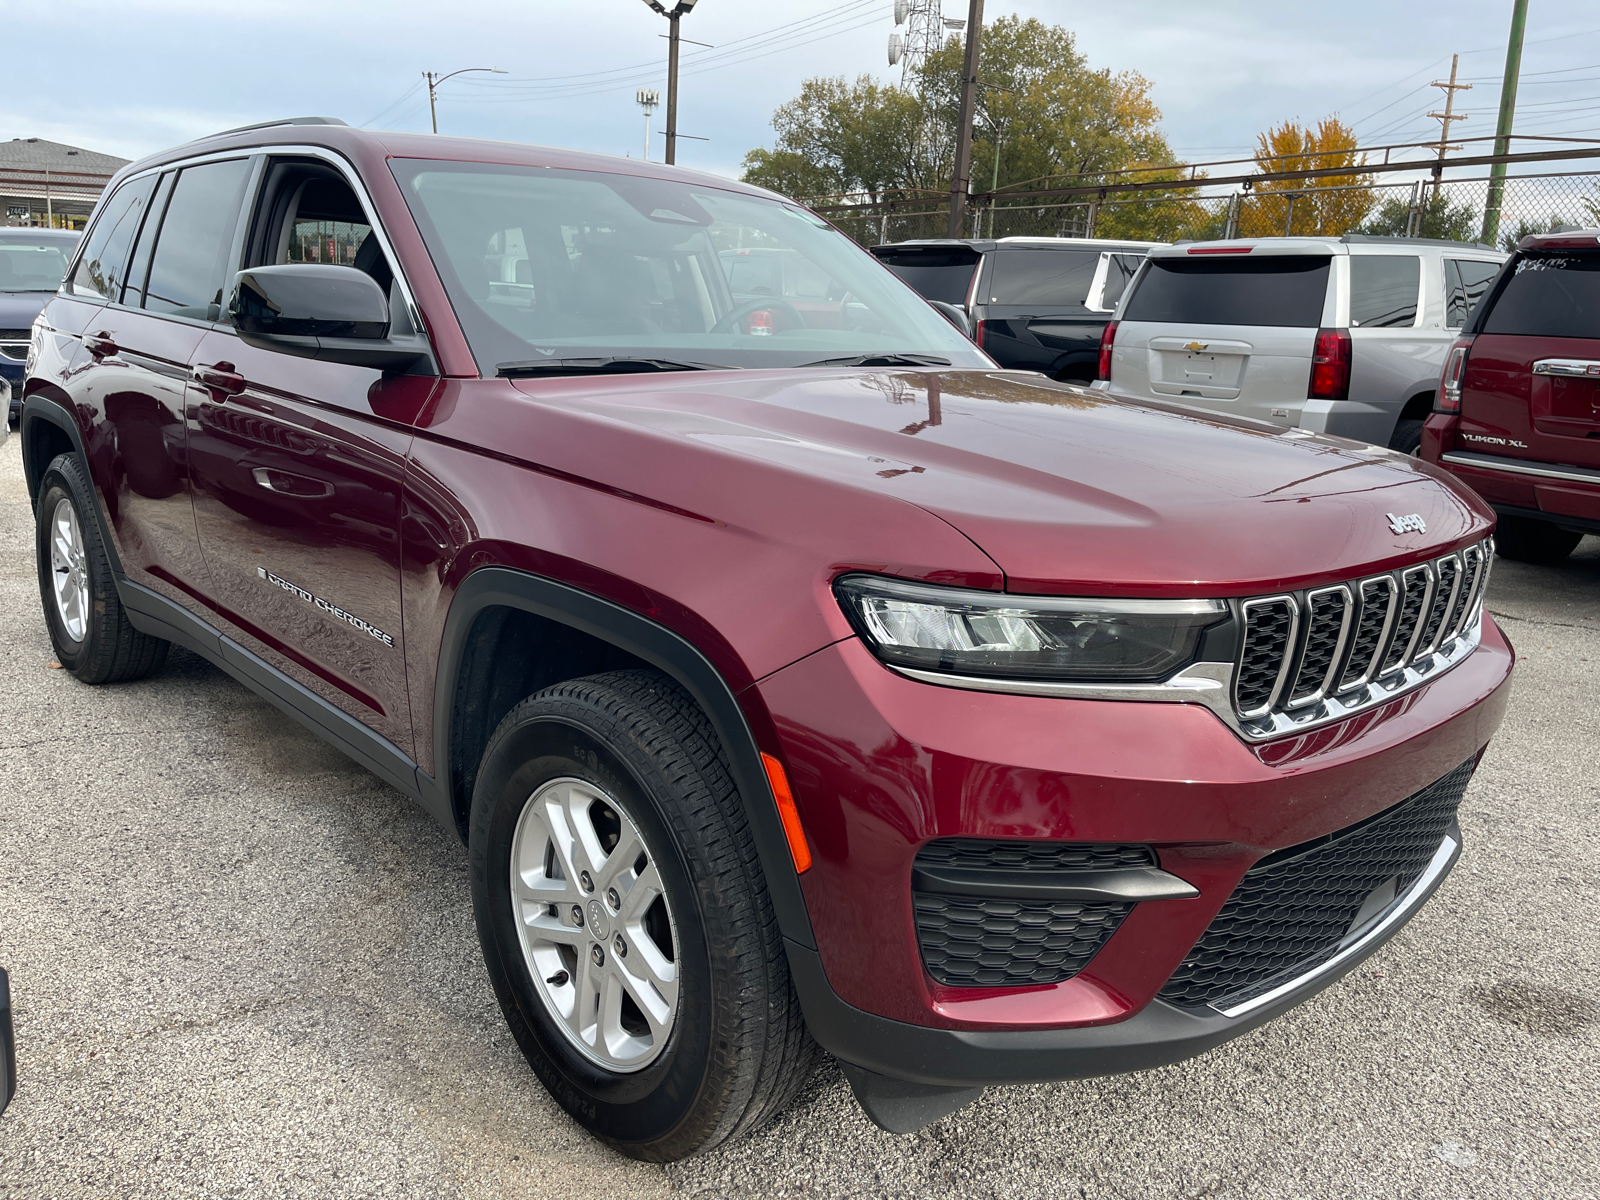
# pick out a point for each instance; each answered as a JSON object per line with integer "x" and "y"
{"x": 793, "y": 677}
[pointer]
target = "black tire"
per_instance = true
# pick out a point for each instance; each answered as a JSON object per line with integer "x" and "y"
{"x": 1407, "y": 438}
{"x": 738, "y": 1050}
{"x": 1524, "y": 539}
{"x": 110, "y": 650}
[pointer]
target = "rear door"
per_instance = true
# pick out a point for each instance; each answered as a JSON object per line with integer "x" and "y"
{"x": 1232, "y": 332}
{"x": 1034, "y": 305}
{"x": 1532, "y": 385}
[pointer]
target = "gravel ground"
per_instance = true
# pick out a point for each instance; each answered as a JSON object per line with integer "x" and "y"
{"x": 244, "y": 967}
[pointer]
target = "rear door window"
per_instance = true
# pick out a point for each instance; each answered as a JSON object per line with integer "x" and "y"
{"x": 1383, "y": 290}
{"x": 944, "y": 275}
{"x": 1281, "y": 290}
{"x": 1549, "y": 295}
{"x": 101, "y": 270}
{"x": 1465, "y": 281}
{"x": 1056, "y": 278}
{"x": 186, "y": 269}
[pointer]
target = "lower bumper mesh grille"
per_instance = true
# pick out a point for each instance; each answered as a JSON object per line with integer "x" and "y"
{"x": 1293, "y": 909}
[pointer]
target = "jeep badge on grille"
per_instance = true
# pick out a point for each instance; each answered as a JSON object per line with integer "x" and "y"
{"x": 1410, "y": 523}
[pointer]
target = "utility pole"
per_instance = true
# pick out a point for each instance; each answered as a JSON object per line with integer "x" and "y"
{"x": 678, "y": 10}
{"x": 434, "y": 80}
{"x": 1502, "y": 129}
{"x": 960, "y": 180}
{"x": 1449, "y": 114}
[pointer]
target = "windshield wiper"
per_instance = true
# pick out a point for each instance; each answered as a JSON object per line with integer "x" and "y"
{"x": 887, "y": 358}
{"x": 614, "y": 365}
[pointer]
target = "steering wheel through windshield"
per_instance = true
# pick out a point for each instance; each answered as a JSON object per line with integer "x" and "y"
{"x": 759, "y": 304}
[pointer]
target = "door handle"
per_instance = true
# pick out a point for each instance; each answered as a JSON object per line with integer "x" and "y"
{"x": 287, "y": 484}
{"x": 100, "y": 344}
{"x": 220, "y": 377}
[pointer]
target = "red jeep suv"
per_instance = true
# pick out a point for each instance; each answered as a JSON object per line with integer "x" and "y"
{"x": 1518, "y": 409}
{"x": 792, "y": 677}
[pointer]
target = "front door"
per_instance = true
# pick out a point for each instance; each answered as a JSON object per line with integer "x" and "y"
{"x": 297, "y": 467}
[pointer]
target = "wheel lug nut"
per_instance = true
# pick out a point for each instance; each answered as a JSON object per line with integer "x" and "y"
{"x": 613, "y": 899}
{"x": 585, "y": 882}
{"x": 577, "y": 915}
{"x": 598, "y": 954}
{"x": 621, "y": 947}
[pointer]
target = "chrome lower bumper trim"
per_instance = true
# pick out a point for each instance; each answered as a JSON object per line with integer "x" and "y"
{"x": 1518, "y": 466}
{"x": 1399, "y": 912}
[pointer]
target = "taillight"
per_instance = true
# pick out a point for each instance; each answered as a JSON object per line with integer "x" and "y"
{"x": 978, "y": 331}
{"x": 1448, "y": 397}
{"x": 1330, "y": 365}
{"x": 1108, "y": 339}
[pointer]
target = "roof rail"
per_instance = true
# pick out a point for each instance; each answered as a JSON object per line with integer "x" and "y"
{"x": 275, "y": 124}
{"x": 1382, "y": 239}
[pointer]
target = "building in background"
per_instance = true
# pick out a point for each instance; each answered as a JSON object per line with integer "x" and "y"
{"x": 48, "y": 183}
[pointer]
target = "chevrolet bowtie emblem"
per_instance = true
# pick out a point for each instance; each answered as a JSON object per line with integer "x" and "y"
{"x": 1195, "y": 347}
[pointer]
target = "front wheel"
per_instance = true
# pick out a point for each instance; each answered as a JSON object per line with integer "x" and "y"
{"x": 89, "y": 629}
{"x": 624, "y": 919}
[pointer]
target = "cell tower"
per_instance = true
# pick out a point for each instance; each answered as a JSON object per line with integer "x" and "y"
{"x": 925, "y": 29}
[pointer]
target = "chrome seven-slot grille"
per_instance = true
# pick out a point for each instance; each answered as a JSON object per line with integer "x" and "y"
{"x": 1299, "y": 651}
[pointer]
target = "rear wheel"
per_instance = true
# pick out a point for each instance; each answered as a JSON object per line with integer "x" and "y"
{"x": 625, "y": 921}
{"x": 1527, "y": 540}
{"x": 92, "y": 635}
{"x": 1407, "y": 438}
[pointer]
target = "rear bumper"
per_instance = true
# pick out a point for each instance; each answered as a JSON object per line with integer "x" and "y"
{"x": 1563, "y": 494}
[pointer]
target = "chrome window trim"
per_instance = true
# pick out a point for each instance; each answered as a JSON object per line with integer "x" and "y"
{"x": 1289, "y": 655}
{"x": 1330, "y": 677}
{"x": 1517, "y": 466}
{"x": 1398, "y": 912}
{"x": 1382, "y": 646}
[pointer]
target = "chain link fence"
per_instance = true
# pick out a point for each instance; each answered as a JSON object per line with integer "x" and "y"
{"x": 1454, "y": 209}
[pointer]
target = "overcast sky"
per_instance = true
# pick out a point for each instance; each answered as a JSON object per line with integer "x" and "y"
{"x": 132, "y": 76}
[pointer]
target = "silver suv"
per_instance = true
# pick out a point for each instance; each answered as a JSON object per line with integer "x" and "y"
{"x": 1337, "y": 335}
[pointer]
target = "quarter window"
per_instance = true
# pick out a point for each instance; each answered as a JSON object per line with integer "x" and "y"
{"x": 1383, "y": 290}
{"x": 1465, "y": 281}
{"x": 186, "y": 270}
{"x": 101, "y": 270}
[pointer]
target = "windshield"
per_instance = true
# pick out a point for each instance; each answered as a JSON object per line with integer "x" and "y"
{"x": 553, "y": 264}
{"x": 32, "y": 266}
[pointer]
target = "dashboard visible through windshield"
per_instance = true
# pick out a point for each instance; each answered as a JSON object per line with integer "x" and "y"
{"x": 545, "y": 264}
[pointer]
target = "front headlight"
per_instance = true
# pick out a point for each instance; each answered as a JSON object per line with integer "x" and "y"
{"x": 958, "y": 631}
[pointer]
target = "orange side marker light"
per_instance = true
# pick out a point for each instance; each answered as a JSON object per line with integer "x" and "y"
{"x": 798, "y": 850}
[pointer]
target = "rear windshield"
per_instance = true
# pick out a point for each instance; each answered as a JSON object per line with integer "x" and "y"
{"x": 1549, "y": 295}
{"x": 1282, "y": 290}
{"x": 934, "y": 274}
{"x": 1053, "y": 277}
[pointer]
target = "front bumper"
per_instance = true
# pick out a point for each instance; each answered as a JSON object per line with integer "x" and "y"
{"x": 881, "y": 764}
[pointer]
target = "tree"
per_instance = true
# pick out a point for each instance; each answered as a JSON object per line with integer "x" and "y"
{"x": 1043, "y": 112}
{"x": 1327, "y": 205}
{"x": 1442, "y": 217}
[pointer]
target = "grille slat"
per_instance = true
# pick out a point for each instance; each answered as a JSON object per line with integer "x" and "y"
{"x": 1263, "y": 660}
{"x": 1327, "y": 623}
{"x": 1472, "y": 578}
{"x": 1377, "y": 597}
{"x": 1412, "y": 599}
{"x": 1293, "y": 910}
{"x": 1447, "y": 572}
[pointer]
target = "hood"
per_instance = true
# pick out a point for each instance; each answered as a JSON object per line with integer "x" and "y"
{"x": 18, "y": 309}
{"x": 1067, "y": 490}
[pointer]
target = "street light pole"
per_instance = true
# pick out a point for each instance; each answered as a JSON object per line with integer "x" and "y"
{"x": 435, "y": 80}
{"x": 673, "y": 14}
{"x": 959, "y": 181}
{"x": 1502, "y": 130}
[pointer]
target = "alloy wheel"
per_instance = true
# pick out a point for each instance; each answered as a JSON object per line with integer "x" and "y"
{"x": 69, "y": 572}
{"x": 597, "y": 932}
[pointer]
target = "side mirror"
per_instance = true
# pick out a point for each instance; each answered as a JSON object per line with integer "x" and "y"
{"x": 954, "y": 315}
{"x": 8, "y": 1046}
{"x": 322, "y": 311}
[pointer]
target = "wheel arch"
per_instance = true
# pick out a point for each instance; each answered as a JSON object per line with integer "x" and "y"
{"x": 568, "y": 633}
{"x": 46, "y": 429}
{"x": 1418, "y": 406}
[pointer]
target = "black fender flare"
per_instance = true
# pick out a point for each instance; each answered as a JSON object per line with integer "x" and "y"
{"x": 662, "y": 648}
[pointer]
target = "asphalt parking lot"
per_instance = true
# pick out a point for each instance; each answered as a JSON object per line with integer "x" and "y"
{"x": 242, "y": 967}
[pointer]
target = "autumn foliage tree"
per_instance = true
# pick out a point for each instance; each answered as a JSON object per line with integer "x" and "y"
{"x": 1324, "y": 206}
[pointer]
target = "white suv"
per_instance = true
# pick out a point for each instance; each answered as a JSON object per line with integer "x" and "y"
{"x": 1337, "y": 335}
